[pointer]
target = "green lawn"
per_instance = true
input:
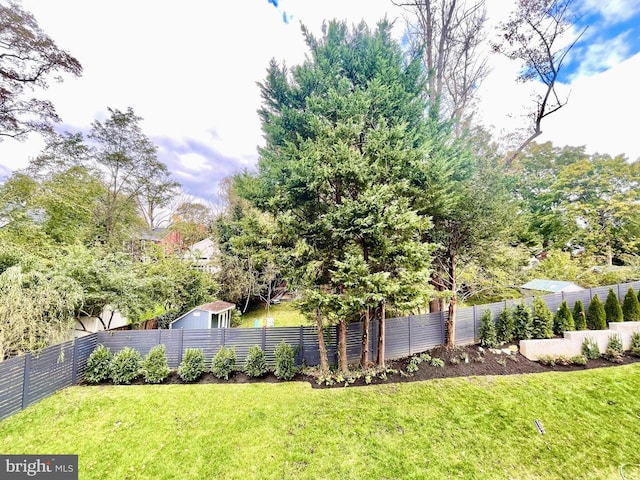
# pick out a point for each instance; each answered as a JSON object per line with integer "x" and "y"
{"x": 471, "y": 428}
{"x": 284, "y": 315}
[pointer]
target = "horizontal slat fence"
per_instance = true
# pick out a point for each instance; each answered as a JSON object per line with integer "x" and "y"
{"x": 27, "y": 379}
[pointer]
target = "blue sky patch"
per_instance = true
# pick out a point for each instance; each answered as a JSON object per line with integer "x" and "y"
{"x": 273, "y": 2}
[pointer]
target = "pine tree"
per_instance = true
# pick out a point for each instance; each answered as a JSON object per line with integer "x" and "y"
{"x": 504, "y": 326}
{"x": 487, "y": 330}
{"x": 612, "y": 307}
{"x": 522, "y": 322}
{"x": 596, "y": 316}
{"x": 563, "y": 319}
{"x": 579, "y": 317}
{"x": 542, "y": 321}
{"x": 631, "y": 307}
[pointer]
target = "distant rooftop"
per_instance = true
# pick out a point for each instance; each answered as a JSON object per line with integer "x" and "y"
{"x": 553, "y": 286}
{"x": 216, "y": 307}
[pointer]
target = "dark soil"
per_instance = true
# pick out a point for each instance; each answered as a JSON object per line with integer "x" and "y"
{"x": 478, "y": 362}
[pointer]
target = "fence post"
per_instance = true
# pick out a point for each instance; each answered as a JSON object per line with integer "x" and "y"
{"x": 159, "y": 337}
{"x": 410, "y": 347}
{"x": 475, "y": 321}
{"x": 264, "y": 338}
{"x": 25, "y": 381}
{"x": 74, "y": 372}
{"x": 301, "y": 346}
{"x": 223, "y": 337}
{"x": 442, "y": 329}
{"x": 180, "y": 345}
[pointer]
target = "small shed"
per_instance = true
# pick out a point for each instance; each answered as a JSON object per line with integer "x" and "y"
{"x": 210, "y": 315}
{"x": 549, "y": 286}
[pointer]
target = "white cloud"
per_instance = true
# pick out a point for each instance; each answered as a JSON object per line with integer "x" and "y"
{"x": 603, "y": 55}
{"x": 613, "y": 11}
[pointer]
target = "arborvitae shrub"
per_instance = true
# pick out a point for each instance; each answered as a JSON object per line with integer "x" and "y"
{"x": 125, "y": 366}
{"x": 563, "y": 319}
{"x": 522, "y": 322}
{"x": 223, "y": 362}
{"x": 542, "y": 320}
{"x": 98, "y": 365}
{"x": 612, "y": 308}
{"x": 635, "y": 344}
{"x": 155, "y": 367}
{"x": 579, "y": 316}
{"x": 192, "y": 365}
{"x": 631, "y": 307}
{"x": 614, "y": 349}
{"x": 590, "y": 348}
{"x": 596, "y": 316}
{"x": 504, "y": 326}
{"x": 285, "y": 362}
{"x": 487, "y": 330}
{"x": 256, "y": 362}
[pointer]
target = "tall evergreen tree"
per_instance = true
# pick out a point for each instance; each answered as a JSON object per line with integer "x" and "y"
{"x": 631, "y": 307}
{"x": 612, "y": 307}
{"x": 579, "y": 316}
{"x": 343, "y": 131}
{"x": 563, "y": 319}
{"x": 542, "y": 320}
{"x": 596, "y": 316}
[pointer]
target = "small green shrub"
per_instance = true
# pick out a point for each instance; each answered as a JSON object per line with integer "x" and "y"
{"x": 631, "y": 307}
{"x": 98, "y": 365}
{"x": 635, "y": 344}
{"x": 285, "y": 362}
{"x": 522, "y": 326}
{"x": 563, "y": 360}
{"x": 223, "y": 362}
{"x": 563, "y": 319}
{"x": 615, "y": 343}
{"x": 579, "y": 316}
{"x": 612, "y": 308}
{"x": 437, "y": 362}
{"x": 548, "y": 360}
{"x": 125, "y": 366}
{"x": 155, "y": 367}
{"x": 579, "y": 360}
{"x": 256, "y": 363}
{"x": 590, "y": 349}
{"x": 613, "y": 355}
{"x": 504, "y": 326}
{"x": 541, "y": 320}
{"x": 192, "y": 365}
{"x": 487, "y": 330}
{"x": 596, "y": 316}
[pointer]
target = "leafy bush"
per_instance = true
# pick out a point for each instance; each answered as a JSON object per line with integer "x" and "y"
{"x": 437, "y": 362}
{"x": 563, "y": 319}
{"x": 548, "y": 360}
{"x": 192, "y": 365}
{"x": 563, "y": 360}
{"x": 579, "y": 360}
{"x": 125, "y": 366}
{"x": 612, "y": 308}
{"x": 579, "y": 316}
{"x": 285, "y": 362}
{"x": 631, "y": 307}
{"x": 256, "y": 362}
{"x": 615, "y": 343}
{"x": 504, "y": 326}
{"x": 155, "y": 367}
{"x": 223, "y": 362}
{"x": 596, "y": 316}
{"x": 613, "y": 355}
{"x": 98, "y": 365}
{"x": 522, "y": 322}
{"x": 590, "y": 349}
{"x": 487, "y": 330}
{"x": 635, "y": 344}
{"x": 542, "y": 320}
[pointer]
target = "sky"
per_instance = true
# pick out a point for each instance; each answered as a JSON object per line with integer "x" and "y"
{"x": 190, "y": 69}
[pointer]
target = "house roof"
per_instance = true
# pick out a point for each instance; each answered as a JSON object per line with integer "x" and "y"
{"x": 216, "y": 307}
{"x": 553, "y": 286}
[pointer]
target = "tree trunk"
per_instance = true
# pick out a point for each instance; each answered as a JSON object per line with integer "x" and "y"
{"x": 381, "y": 333}
{"x": 364, "y": 352}
{"x": 322, "y": 347}
{"x": 343, "y": 364}
{"x": 437, "y": 304}
{"x": 451, "y": 321}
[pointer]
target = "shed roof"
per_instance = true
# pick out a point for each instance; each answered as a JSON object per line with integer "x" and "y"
{"x": 553, "y": 286}
{"x": 217, "y": 307}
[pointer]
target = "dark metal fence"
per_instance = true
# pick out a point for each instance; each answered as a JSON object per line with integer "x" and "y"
{"x": 25, "y": 380}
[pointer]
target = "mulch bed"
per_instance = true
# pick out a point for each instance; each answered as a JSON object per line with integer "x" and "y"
{"x": 455, "y": 366}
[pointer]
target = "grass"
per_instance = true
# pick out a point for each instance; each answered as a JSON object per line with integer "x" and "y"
{"x": 284, "y": 315}
{"x": 477, "y": 427}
